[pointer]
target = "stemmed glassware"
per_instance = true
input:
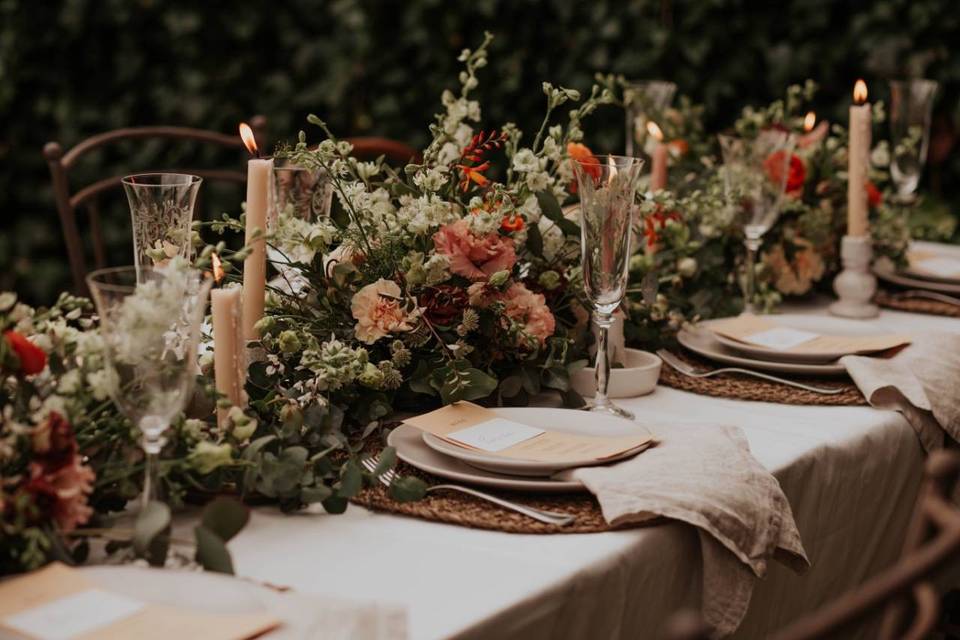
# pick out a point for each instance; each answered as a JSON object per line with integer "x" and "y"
{"x": 755, "y": 174}
{"x": 161, "y": 209}
{"x": 299, "y": 192}
{"x": 644, "y": 100}
{"x": 150, "y": 327}
{"x": 911, "y": 104}
{"x": 608, "y": 188}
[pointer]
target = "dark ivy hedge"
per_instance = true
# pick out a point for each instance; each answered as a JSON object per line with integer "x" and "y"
{"x": 70, "y": 69}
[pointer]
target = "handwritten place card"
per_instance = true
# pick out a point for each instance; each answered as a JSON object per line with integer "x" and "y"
{"x": 494, "y": 435}
{"x": 765, "y": 332}
{"x": 60, "y": 603}
{"x": 935, "y": 264}
{"x": 547, "y": 446}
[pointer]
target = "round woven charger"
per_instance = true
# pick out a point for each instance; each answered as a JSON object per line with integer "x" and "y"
{"x": 461, "y": 509}
{"x": 743, "y": 387}
{"x": 917, "y": 305}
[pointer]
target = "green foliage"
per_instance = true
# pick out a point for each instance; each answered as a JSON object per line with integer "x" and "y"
{"x": 74, "y": 68}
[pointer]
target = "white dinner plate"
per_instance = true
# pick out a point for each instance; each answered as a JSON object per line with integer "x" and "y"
{"x": 706, "y": 344}
{"x": 935, "y": 249}
{"x": 581, "y": 423}
{"x": 408, "y": 442}
{"x": 886, "y": 273}
{"x": 824, "y": 325}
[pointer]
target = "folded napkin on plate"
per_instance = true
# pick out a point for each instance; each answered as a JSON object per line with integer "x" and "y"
{"x": 920, "y": 382}
{"x": 706, "y": 476}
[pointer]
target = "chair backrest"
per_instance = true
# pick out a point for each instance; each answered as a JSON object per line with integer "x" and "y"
{"x": 69, "y": 203}
{"x": 393, "y": 151}
{"x": 933, "y": 538}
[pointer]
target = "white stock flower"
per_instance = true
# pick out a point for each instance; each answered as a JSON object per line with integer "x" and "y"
{"x": 525, "y": 160}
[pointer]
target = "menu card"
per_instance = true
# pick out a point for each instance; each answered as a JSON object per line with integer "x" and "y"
{"x": 474, "y": 427}
{"x": 934, "y": 264}
{"x": 60, "y": 603}
{"x": 764, "y": 332}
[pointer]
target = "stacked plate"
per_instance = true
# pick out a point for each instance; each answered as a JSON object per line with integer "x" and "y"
{"x": 702, "y": 340}
{"x": 932, "y": 267}
{"x": 442, "y": 458}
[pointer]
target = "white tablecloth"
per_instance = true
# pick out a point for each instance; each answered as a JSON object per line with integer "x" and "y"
{"x": 851, "y": 475}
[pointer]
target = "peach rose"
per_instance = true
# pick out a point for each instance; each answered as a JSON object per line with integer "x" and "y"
{"x": 530, "y": 309}
{"x": 471, "y": 256}
{"x": 380, "y": 309}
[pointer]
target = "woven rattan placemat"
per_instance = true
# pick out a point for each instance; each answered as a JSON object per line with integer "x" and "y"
{"x": 917, "y": 305}
{"x": 457, "y": 508}
{"x": 742, "y": 387}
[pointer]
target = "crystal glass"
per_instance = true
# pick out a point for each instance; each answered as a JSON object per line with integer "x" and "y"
{"x": 161, "y": 209}
{"x": 911, "y": 104}
{"x": 754, "y": 177}
{"x": 608, "y": 189}
{"x": 150, "y": 327}
{"x": 299, "y": 192}
{"x": 644, "y": 100}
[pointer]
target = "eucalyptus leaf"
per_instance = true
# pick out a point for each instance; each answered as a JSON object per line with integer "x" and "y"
{"x": 225, "y": 517}
{"x": 407, "y": 489}
{"x": 335, "y": 504}
{"x": 535, "y": 240}
{"x": 388, "y": 460}
{"x": 212, "y": 551}
{"x": 351, "y": 480}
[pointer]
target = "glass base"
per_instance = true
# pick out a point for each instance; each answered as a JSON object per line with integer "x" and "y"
{"x": 608, "y": 408}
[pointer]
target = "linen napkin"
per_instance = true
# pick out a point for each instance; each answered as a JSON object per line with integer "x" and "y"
{"x": 705, "y": 475}
{"x": 921, "y": 382}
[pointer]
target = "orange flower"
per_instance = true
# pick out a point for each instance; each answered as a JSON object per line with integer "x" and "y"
{"x": 581, "y": 153}
{"x": 796, "y": 171}
{"x": 513, "y": 223}
{"x": 678, "y": 147}
{"x": 874, "y": 197}
{"x": 473, "y": 174}
{"x": 32, "y": 358}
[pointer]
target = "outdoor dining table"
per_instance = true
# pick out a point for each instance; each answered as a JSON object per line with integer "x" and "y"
{"x": 851, "y": 475}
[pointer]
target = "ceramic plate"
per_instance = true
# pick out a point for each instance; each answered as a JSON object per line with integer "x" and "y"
{"x": 706, "y": 344}
{"x": 817, "y": 324}
{"x": 934, "y": 249}
{"x": 408, "y": 442}
{"x": 887, "y": 274}
{"x": 571, "y": 421}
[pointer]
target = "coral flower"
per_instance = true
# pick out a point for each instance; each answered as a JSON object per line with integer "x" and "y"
{"x": 796, "y": 171}
{"x": 581, "y": 153}
{"x": 471, "y": 256}
{"x": 32, "y": 358}
{"x": 379, "y": 310}
{"x": 512, "y": 223}
{"x": 530, "y": 309}
{"x": 874, "y": 197}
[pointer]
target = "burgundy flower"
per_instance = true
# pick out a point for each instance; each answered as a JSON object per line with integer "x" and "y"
{"x": 443, "y": 303}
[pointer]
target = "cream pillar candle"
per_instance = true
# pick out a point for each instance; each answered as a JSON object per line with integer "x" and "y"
{"x": 858, "y": 151}
{"x": 259, "y": 172}
{"x": 659, "y": 157}
{"x": 229, "y": 364}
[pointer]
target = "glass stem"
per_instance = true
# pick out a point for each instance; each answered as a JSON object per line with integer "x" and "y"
{"x": 752, "y": 244}
{"x": 604, "y": 321}
{"x": 151, "y": 442}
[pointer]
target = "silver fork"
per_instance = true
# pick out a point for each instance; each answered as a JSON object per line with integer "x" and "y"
{"x": 388, "y": 477}
{"x": 928, "y": 295}
{"x": 689, "y": 371}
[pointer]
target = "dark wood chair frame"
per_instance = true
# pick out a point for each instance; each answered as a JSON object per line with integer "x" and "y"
{"x": 68, "y": 204}
{"x": 932, "y": 539}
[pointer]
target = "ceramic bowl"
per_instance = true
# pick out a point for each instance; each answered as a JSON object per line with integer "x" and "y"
{"x": 638, "y": 377}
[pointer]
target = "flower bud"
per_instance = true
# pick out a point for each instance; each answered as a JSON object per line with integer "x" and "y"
{"x": 289, "y": 342}
{"x": 291, "y": 416}
{"x": 687, "y": 267}
{"x": 207, "y": 456}
{"x": 549, "y": 280}
{"x": 499, "y": 278}
{"x": 265, "y": 325}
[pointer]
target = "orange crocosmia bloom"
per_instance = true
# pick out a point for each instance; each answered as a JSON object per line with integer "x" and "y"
{"x": 581, "y": 153}
{"x": 512, "y": 223}
{"x": 473, "y": 174}
{"x": 678, "y": 147}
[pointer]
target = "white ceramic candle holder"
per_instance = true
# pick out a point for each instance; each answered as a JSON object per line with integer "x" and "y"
{"x": 855, "y": 285}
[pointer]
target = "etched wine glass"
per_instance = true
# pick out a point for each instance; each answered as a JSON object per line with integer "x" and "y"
{"x": 299, "y": 192}
{"x": 608, "y": 189}
{"x": 911, "y": 105}
{"x": 644, "y": 100}
{"x": 150, "y": 328}
{"x": 161, "y": 210}
{"x": 755, "y": 172}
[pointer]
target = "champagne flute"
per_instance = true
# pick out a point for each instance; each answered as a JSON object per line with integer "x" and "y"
{"x": 608, "y": 189}
{"x": 911, "y": 104}
{"x": 150, "y": 326}
{"x": 755, "y": 174}
{"x": 644, "y": 100}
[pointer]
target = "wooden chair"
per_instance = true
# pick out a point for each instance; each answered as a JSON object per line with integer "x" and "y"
{"x": 69, "y": 203}
{"x": 393, "y": 151}
{"x": 933, "y": 538}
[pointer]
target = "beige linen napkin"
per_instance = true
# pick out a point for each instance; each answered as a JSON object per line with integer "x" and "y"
{"x": 706, "y": 476}
{"x": 922, "y": 382}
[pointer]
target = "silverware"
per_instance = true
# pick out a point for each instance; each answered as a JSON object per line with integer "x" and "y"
{"x": 689, "y": 371}
{"x": 929, "y": 295}
{"x": 388, "y": 477}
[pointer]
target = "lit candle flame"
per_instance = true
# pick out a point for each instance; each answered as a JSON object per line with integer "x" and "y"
{"x": 809, "y": 121}
{"x": 249, "y": 140}
{"x": 654, "y": 130}
{"x": 216, "y": 265}
{"x": 860, "y": 91}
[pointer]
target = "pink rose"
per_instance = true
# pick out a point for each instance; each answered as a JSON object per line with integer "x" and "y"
{"x": 380, "y": 309}
{"x": 471, "y": 256}
{"x": 65, "y": 489}
{"x": 530, "y": 309}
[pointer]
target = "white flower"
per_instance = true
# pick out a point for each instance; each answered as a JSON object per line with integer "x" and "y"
{"x": 432, "y": 179}
{"x": 367, "y": 170}
{"x": 530, "y": 209}
{"x": 880, "y": 156}
{"x": 553, "y": 239}
{"x": 538, "y": 181}
{"x": 449, "y": 153}
{"x": 525, "y": 160}
{"x": 436, "y": 269}
{"x": 69, "y": 382}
